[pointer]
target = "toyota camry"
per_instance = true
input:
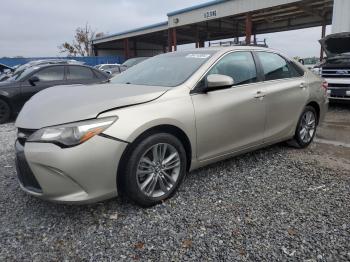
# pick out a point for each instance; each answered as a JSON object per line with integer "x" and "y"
{"x": 140, "y": 133}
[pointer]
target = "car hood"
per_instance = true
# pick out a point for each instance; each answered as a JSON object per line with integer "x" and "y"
{"x": 336, "y": 44}
{"x": 64, "y": 104}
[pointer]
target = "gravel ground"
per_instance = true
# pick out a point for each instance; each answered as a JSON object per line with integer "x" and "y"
{"x": 273, "y": 204}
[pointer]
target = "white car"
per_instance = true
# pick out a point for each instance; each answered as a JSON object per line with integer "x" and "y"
{"x": 107, "y": 67}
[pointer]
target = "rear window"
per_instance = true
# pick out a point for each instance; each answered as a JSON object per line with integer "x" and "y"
{"x": 276, "y": 67}
{"x": 79, "y": 72}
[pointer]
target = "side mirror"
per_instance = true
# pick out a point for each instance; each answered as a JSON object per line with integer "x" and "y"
{"x": 33, "y": 80}
{"x": 216, "y": 81}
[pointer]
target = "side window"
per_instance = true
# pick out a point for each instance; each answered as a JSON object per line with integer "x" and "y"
{"x": 79, "y": 73}
{"x": 100, "y": 75}
{"x": 296, "y": 70}
{"x": 238, "y": 65}
{"x": 276, "y": 67}
{"x": 54, "y": 73}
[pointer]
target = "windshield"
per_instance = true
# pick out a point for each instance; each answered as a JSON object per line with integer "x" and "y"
{"x": 171, "y": 69}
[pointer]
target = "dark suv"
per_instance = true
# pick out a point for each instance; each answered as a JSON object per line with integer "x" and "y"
{"x": 22, "y": 85}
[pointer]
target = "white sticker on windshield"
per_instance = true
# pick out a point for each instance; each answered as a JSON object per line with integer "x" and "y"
{"x": 199, "y": 56}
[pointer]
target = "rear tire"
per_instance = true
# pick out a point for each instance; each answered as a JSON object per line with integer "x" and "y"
{"x": 306, "y": 128}
{"x": 154, "y": 170}
{"x": 5, "y": 111}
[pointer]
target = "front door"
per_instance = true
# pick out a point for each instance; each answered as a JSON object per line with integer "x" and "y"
{"x": 48, "y": 77}
{"x": 231, "y": 119}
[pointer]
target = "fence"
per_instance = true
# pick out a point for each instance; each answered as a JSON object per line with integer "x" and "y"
{"x": 88, "y": 60}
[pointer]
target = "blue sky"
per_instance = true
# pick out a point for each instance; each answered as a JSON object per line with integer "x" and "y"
{"x": 36, "y": 27}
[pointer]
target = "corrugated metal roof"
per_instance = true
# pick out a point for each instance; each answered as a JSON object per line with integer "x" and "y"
{"x": 133, "y": 30}
{"x": 195, "y": 7}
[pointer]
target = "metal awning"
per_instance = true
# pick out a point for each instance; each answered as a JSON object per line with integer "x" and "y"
{"x": 221, "y": 19}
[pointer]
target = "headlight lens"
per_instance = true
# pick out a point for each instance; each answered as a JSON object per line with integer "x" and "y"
{"x": 317, "y": 70}
{"x": 72, "y": 134}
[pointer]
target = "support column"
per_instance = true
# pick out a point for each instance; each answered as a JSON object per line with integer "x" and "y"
{"x": 174, "y": 39}
{"x": 135, "y": 48}
{"x": 248, "y": 28}
{"x": 126, "y": 48}
{"x": 94, "y": 51}
{"x": 170, "y": 41}
{"x": 323, "y": 34}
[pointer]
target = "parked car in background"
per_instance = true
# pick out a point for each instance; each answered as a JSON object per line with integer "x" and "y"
{"x": 143, "y": 130}
{"x": 106, "y": 67}
{"x": 33, "y": 63}
{"x": 5, "y": 69}
{"x": 131, "y": 62}
{"x": 336, "y": 67}
{"x": 22, "y": 85}
{"x": 114, "y": 71}
{"x": 309, "y": 62}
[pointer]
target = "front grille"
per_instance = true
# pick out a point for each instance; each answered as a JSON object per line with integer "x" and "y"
{"x": 24, "y": 134}
{"x": 336, "y": 72}
{"x": 24, "y": 173}
{"x": 338, "y": 90}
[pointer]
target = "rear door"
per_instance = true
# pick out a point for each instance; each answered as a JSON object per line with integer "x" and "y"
{"x": 81, "y": 75}
{"x": 231, "y": 119}
{"x": 48, "y": 77}
{"x": 285, "y": 94}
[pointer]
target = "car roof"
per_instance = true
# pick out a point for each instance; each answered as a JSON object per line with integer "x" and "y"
{"x": 107, "y": 65}
{"x": 220, "y": 50}
{"x": 59, "y": 64}
{"x": 37, "y": 67}
{"x": 229, "y": 48}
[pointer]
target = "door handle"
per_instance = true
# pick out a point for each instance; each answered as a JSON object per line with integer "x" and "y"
{"x": 302, "y": 85}
{"x": 259, "y": 94}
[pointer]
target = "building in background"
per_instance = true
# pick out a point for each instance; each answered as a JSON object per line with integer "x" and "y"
{"x": 224, "y": 19}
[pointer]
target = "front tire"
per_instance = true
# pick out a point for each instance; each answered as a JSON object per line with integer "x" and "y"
{"x": 5, "y": 111}
{"x": 306, "y": 128}
{"x": 155, "y": 168}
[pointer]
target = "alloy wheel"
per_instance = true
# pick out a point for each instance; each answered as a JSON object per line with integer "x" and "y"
{"x": 158, "y": 170}
{"x": 307, "y": 126}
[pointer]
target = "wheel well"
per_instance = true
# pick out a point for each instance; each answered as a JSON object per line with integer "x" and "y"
{"x": 170, "y": 129}
{"x": 4, "y": 98}
{"x": 317, "y": 109}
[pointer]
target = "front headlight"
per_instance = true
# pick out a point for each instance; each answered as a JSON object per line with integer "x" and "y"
{"x": 317, "y": 70}
{"x": 72, "y": 134}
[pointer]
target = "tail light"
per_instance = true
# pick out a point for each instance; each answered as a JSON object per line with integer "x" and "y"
{"x": 325, "y": 86}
